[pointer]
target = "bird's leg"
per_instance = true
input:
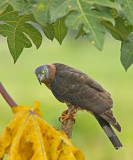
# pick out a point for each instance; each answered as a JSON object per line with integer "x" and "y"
{"x": 64, "y": 113}
{"x": 68, "y": 115}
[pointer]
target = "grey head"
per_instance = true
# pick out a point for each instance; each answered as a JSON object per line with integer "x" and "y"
{"x": 42, "y": 73}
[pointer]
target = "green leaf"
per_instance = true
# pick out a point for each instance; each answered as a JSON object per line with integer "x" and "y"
{"x": 119, "y": 31}
{"x": 60, "y": 29}
{"x": 81, "y": 32}
{"x": 41, "y": 11}
{"x": 105, "y": 3}
{"x": 129, "y": 27}
{"x": 48, "y": 31}
{"x": 2, "y": 8}
{"x": 18, "y": 31}
{"x": 60, "y": 8}
{"x": 112, "y": 29}
{"x": 82, "y": 14}
{"x": 22, "y": 6}
{"x": 2, "y": 2}
{"x": 127, "y": 52}
{"x": 127, "y": 6}
{"x": 92, "y": 27}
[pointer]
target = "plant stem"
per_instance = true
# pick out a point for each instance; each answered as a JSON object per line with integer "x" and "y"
{"x": 6, "y": 96}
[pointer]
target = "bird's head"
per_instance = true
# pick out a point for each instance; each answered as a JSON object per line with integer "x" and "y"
{"x": 42, "y": 73}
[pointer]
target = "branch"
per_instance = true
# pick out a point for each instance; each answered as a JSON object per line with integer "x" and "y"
{"x": 67, "y": 125}
{"x": 6, "y": 96}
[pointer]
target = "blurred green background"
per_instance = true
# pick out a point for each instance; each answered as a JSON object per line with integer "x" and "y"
{"x": 105, "y": 67}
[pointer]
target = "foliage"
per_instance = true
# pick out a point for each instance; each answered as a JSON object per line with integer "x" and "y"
{"x": 90, "y": 18}
{"x": 28, "y": 136}
{"x": 127, "y": 52}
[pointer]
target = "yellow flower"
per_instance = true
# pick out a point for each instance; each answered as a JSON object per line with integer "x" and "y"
{"x": 29, "y": 137}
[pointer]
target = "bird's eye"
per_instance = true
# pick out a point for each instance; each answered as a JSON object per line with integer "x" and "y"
{"x": 43, "y": 71}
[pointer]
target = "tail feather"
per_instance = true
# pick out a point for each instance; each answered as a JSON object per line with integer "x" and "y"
{"x": 108, "y": 116}
{"x": 109, "y": 132}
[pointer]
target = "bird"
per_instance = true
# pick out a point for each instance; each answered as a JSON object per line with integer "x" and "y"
{"x": 81, "y": 92}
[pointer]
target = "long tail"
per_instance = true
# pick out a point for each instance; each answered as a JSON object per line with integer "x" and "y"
{"x": 109, "y": 132}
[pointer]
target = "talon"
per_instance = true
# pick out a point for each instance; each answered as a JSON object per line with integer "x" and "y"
{"x": 60, "y": 118}
{"x": 64, "y": 113}
{"x": 67, "y": 115}
{"x": 74, "y": 121}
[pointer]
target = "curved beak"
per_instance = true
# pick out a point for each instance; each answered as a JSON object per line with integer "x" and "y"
{"x": 39, "y": 77}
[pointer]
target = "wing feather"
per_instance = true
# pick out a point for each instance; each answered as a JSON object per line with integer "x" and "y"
{"x": 76, "y": 89}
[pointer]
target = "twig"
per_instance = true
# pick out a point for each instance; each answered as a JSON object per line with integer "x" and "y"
{"x": 67, "y": 125}
{"x": 6, "y": 96}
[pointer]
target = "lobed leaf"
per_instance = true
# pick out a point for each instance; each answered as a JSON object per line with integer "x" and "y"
{"x": 119, "y": 31}
{"x": 2, "y": 2}
{"x": 82, "y": 14}
{"x": 48, "y": 31}
{"x": 2, "y": 8}
{"x": 103, "y": 3}
{"x": 81, "y": 32}
{"x": 28, "y": 136}
{"x": 89, "y": 17}
{"x": 60, "y": 8}
{"x": 22, "y": 6}
{"x": 41, "y": 11}
{"x": 127, "y": 52}
{"x": 17, "y": 29}
{"x": 127, "y": 6}
{"x": 92, "y": 27}
{"x": 60, "y": 29}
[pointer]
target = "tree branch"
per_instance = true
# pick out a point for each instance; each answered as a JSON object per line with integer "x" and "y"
{"x": 67, "y": 125}
{"x": 6, "y": 96}
{"x": 67, "y": 128}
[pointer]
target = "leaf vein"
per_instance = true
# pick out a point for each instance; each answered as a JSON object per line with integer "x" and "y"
{"x": 18, "y": 134}
{"x": 88, "y": 22}
{"x": 38, "y": 136}
{"x": 129, "y": 8}
{"x": 58, "y": 8}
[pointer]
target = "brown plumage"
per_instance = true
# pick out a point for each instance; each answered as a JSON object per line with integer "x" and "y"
{"x": 78, "y": 89}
